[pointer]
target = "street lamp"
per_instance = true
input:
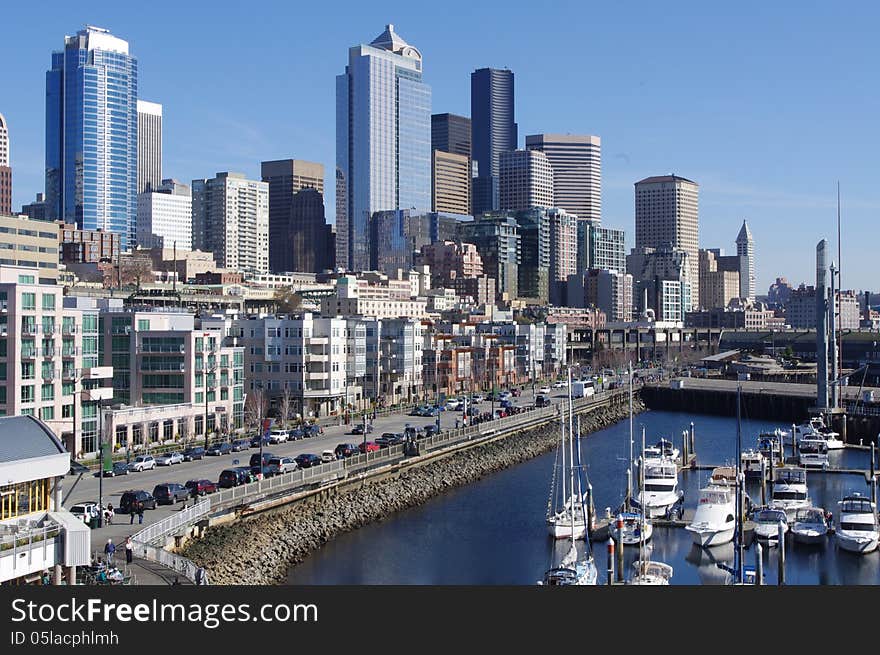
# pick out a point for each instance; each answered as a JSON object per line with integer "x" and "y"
{"x": 207, "y": 370}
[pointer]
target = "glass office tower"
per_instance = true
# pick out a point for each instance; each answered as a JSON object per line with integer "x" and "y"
{"x": 383, "y": 141}
{"x": 92, "y": 135}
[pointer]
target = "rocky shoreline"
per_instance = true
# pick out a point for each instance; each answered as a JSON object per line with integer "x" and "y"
{"x": 261, "y": 549}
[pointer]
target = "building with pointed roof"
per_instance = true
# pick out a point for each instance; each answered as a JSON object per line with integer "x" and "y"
{"x": 745, "y": 249}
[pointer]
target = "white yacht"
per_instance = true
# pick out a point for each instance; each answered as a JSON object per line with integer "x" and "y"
{"x": 661, "y": 449}
{"x": 832, "y": 438}
{"x": 770, "y": 446}
{"x": 813, "y": 452}
{"x": 810, "y": 526}
{"x": 750, "y": 461}
{"x": 857, "y": 529}
{"x": 633, "y": 527}
{"x": 790, "y": 491}
{"x": 651, "y": 573}
{"x": 767, "y": 522}
{"x": 714, "y": 520}
{"x": 815, "y": 427}
{"x": 661, "y": 494}
{"x": 810, "y": 426}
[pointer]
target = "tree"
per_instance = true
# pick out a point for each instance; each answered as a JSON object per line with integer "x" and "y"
{"x": 285, "y": 406}
{"x": 287, "y": 300}
{"x": 256, "y": 406}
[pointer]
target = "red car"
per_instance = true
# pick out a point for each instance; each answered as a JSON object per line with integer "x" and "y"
{"x": 201, "y": 487}
{"x": 368, "y": 447}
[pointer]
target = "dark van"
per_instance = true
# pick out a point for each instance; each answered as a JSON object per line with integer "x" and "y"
{"x": 233, "y": 477}
{"x": 135, "y": 498}
{"x": 170, "y": 493}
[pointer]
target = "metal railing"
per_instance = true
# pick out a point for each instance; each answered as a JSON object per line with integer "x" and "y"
{"x": 174, "y": 562}
{"x": 172, "y": 523}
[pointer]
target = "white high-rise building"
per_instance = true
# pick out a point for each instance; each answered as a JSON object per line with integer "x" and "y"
{"x": 383, "y": 141}
{"x": 230, "y": 218}
{"x": 525, "y": 180}
{"x": 745, "y": 249}
{"x": 149, "y": 145}
{"x": 577, "y": 171}
{"x": 164, "y": 216}
{"x": 667, "y": 217}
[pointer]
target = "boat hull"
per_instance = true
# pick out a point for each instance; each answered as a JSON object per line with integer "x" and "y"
{"x": 859, "y": 545}
{"x": 809, "y": 536}
{"x": 706, "y": 537}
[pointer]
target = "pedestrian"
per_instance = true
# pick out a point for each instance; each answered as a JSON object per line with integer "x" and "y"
{"x": 140, "y": 513}
{"x": 109, "y": 551}
{"x": 176, "y": 581}
{"x": 129, "y": 550}
{"x": 132, "y": 510}
{"x": 109, "y": 513}
{"x": 201, "y": 576}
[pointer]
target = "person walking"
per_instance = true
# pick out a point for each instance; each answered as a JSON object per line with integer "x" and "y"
{"x": 132, "y": 510}
{"x": 140, "y": 513}
{"x": 129, "y": 550}
{"x": 109, "y": 551}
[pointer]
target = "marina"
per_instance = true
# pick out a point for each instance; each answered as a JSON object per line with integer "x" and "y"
{"x": 487, "y": 533}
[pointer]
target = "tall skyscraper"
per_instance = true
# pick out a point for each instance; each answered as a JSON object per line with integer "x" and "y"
{"x": 563, "y": 252}
{"x": 230, "y": 218}
{"x": 451, "y": 133}
{"x": 92, "y": 134}
{"x": 5, "y": 169}
{"x": 525, "y": 180}
{"x": 493, "y": 131}
{"x": 149, "y": 145}
{"x": 600, "y": 247}
{"x": 164, "y": 218}
{"x": 299, "y": 237}
{"x": 577, "y": 171}
{"x": 745, "y": 249}
{"x": 383, "y": 140}
{"x": 667, "y": 216}
{"x": 450, "y": 183}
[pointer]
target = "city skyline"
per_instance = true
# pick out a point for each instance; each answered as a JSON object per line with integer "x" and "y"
{"x": 742, "y": 133}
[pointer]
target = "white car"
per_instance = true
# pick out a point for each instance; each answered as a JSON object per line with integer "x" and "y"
{"x": 559, "y": 384}
{"x": 167, "y": 459}
{"x": 453, "y": 404}
{"x": 278, "y": 436}
{"x": 142, "y": 463}
{"x": 328, "y": 456}
{"x": 544, "y": 390}
{"x": 85, "y": 512}
{"x": 282, "y": 465}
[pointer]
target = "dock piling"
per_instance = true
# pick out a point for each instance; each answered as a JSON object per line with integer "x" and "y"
{"x": 763, "y": 481}
{"x": 620, "y": 548}
{"x": 759, "y": 564}
{"x": 692, "y": 448}
{"x": 684, "y": 448}
{"x": 610, "y": 561}
{"x": 793, "y": 441}
{"x": 782, "y": 527}
{"x": 872, "y": 459}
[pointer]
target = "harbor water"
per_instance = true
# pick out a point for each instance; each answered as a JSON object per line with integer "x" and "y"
{"x": 493, "y": 532}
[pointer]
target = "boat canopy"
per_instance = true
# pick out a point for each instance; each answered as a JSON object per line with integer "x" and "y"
{"x": 856, "y": 505}
{"x": 769, "y": 516}
{"x": 790, "y": 476}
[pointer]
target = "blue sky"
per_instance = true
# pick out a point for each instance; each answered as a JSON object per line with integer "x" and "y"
{"x": 766, "y": 105}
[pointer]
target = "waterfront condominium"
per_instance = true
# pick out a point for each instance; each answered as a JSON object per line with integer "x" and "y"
{"x": 164, "y": 218}
{"x": 149, "y": 145}
{"x": 577, "y": 171}
{"x": 383, "y": 140}
{"x": 230, "y": 217}
{"x": 92, "y": 134}
{"x": 299, "y": 237}
{"x": 667, "y": 217}
{"x": 525, "y": 180}
{"x": 5, "y": 169}
{"x": 493, "y": 131}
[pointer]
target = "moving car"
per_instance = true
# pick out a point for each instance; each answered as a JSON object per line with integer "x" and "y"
{"x": 559, "y": 384}
{"x": 359, "y": 429}
{"x": 167, "y": 459}
{"x": 136, "y": 497}
{"x": 169, "y": 493}
{"x": 453, "y": 404}
{"x": 544, "y": 389}
{"x": 142, "y": 463}
{"x": 222, "y": 448}
{"x": 200, "y": 487}
{"x": 194, "y": 453}
{"x": 119, "y": 468}
{"x": 390, "y": 439}
{"x": 307, "y": 460}
{"x": 282, "y": 465}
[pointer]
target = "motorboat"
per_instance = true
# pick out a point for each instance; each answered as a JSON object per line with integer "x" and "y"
{"x": 832, "y": 438}
{"x": 714, "y": 521}
{"x": 751, "y": 462}
{"x": 661, "y": 496}
{"x": 857, "y": 529}
{"x": 767, "y": 522}
{"x": 790, "y": 491}
{"x": 770, "y": 446}
{"x": 633, "y": 528}
{"x": 815, "y": 427}
{"x": 651, "y": 573}
{"x": 662, "y": 448}
{"x": 813, "y": 452}
{"x": 809, "y": 426}
{"x": 723, "y": 476}
{"x": 810, "y": 526}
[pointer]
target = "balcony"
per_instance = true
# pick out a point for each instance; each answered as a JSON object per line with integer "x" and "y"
{"x": 316, "y": 357}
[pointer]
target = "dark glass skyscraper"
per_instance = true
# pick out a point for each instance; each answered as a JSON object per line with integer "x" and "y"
{"x": 493, "y": 131}
{"x": 92, "y": 134}
{"x": 451, "y": 133}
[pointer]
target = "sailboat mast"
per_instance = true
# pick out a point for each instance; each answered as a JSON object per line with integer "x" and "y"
{"x": 643, "y": 508}
{"x": 562, "y": 449}
{"x": 571, "y": 449}
{"x": 631, "y": 425}
{"x": 739, "y": 504}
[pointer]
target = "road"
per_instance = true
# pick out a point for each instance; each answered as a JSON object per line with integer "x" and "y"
{"x": 757, "y": 386}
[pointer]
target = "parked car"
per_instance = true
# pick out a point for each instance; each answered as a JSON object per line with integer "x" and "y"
{"x": 477, "y": 398}
{"x": 345, "y": 450}
{"x": 265, "y": 469}
{"x": 307, "y": 460}
{"x": 504, "y": 395}
{"x": 278, "y": 436}
{"x": 255, "y": 440}
{"x": 328, "y": 456}
{"x": 390, "y": 439}
{"x": 313, "y": 430}
{"x": 169, "y": 493}
{"x": 368, "y": 447}
{"x": 282, "y": 465}
{"x": 296, "y": 434}
{"x": 559, "y": 384}
{"x": 200, "y": 487}
{"x": 453, "y": 404}
{"x": 240, "y": 444}
{"x": 136, "y": 498}
{"x": 167, "y": 459}
{"x": 86, "y": 512}
{"x": 221, "y": 448}
{"x": 255, "y": 458}
{"x": 542, "y": 401}
{"x": 142, "y": 463}
{"x": 119, "y": 468}
{"x": 234, "y": 477}
{"x": 431, "y": 430}
{"x": 194, "y": 453}
{"x": 544, "y": 389}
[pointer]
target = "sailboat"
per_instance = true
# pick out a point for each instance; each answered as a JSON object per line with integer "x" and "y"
{"x": 568, "y": 520}
{"x": 741, "y": 574}
{"x": 635, "y": 527}
{"x": 648, "y": 572}
{"x": 574, "y": 568}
